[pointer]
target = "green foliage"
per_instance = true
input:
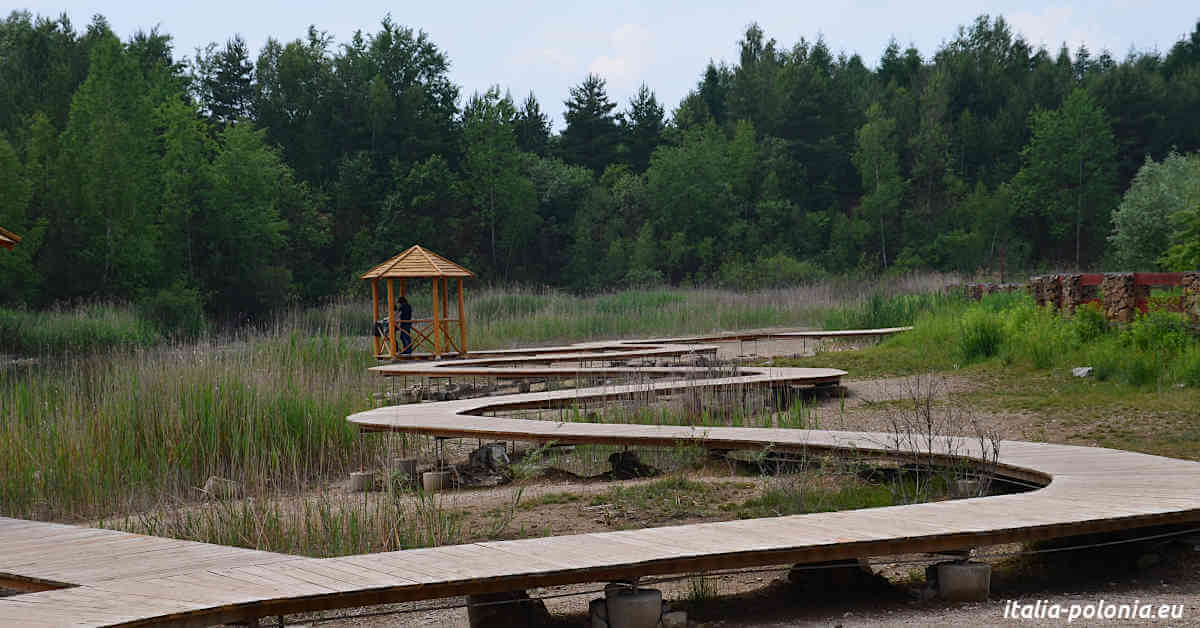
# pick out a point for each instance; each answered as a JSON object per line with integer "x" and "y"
{"x": 18, "y": 273}
{"x": 1036, "y": 335}
{"x": 80, "y": 330}
{"x": 1157, "y": 332}
{"x": 1186, "y": 367}
{"x": 981, "y": 335}
{"x": 1156, "y": 349}
{"x": 177, "y": 310}
{"x": 988, "y": 155}
{"x": 1089, "y": 323}
{"x": 1068, "y": 180}
{"x": 879, "y": 166}
{"x": 493, "y": 179}
{"x": 784, "y": 498}
{"x": 1142, "y": 224}
{"x": 592, "y": 133}
{"x": 879, "y": 311}
{"x": 776, "y": 271}
{"x": 241, "y": 264}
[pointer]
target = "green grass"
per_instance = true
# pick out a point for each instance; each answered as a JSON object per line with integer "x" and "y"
{"x": 670, "y": 498}
{"x": 1092, "y": 411}
{"x": 880, "y": 311}
{"x": 98, "y": 435}
{"x": 791, "y": 498}
{"x": 83, "y": 329}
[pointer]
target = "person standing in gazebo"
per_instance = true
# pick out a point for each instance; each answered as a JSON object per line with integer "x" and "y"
{"x": 404, "y": 311}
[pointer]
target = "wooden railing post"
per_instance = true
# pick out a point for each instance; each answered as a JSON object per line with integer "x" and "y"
{"x": 462, "y": 320}
{"x": 391, "y": 319}
{"x": 375, "y": 312}
{"x": 437, "y": 322}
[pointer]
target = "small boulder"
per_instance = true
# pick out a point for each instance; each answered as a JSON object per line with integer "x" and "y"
{"x": 1082, "y": 371}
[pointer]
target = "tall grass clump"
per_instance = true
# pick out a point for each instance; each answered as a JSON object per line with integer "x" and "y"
{"x": 1157, "y": 348}
{"x": 92, "y": 436}
{"x": 981, "y": 334}
{"x": 1038, "y": 336}
{"x": 84, "y": 328}
{"x": 880, "y": 311}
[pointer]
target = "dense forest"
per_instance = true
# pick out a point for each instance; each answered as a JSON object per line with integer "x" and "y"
{"x": 238, "y": 182}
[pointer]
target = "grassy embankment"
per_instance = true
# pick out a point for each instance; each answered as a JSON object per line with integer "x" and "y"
{"x": 1144, "y": 394}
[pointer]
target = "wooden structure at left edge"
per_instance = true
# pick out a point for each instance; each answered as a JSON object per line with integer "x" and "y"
{"x": 417, "y": 262}
{"x": 8, "y": 239}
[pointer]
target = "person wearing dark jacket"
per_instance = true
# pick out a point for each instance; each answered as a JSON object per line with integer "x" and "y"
{"x": 404, "y": 317}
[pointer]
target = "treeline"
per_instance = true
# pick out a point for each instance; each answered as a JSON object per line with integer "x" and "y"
{"x": 237, "y": 182}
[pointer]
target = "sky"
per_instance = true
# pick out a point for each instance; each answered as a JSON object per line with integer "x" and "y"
{"x": 548, "y": 47}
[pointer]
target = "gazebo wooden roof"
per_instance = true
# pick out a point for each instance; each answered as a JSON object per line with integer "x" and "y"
{"x": 8, "y": 239}
{"x": 417, "y": 261}
{"x": 413, "y": 263}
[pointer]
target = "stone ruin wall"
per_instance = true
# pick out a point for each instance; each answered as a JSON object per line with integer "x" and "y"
{"x": 1117, "y": 292}
{"x": 1191, "y": 297}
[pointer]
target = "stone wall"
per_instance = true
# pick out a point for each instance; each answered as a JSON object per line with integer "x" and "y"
{"x": 1120, "y": 297}
{"x": 1191, "y": 297}
{"x": 1072, "y": 292}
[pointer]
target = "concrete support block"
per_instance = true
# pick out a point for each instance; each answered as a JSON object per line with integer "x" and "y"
{"x": 362, "y": 481}
{"x": 675, "y": 619}
{"x": 964, "y": 582}
{"x": 433, "y": 481}
{"x": 404, "y": 470}
{"x": 627, "y": 607}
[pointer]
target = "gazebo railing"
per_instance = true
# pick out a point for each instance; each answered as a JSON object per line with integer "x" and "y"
{"x": 421, "y": 337}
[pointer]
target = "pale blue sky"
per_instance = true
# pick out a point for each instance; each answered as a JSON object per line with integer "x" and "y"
{"x": 547, "y": 47}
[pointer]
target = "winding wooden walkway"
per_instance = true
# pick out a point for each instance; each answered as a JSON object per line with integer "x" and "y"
{"x": 115, "y": 578}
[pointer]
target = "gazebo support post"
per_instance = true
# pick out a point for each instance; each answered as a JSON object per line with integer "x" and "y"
{"x": 404, "y": 293}
{"x": 391, "y": 319}
{"x": 445, "y": 331}
{"x": 437, "y": 322}
{"x": 375, "y": 310}
{"x": 462, "y": 320}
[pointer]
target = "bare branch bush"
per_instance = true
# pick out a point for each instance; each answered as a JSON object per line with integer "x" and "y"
{"x": 944, "y": 444}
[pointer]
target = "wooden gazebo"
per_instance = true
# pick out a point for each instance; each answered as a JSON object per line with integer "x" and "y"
{"x": 419, "y": 263}
{"x": 8, "y": 239}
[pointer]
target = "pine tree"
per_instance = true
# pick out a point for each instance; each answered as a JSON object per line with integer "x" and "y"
{"x": 591, "y": 137}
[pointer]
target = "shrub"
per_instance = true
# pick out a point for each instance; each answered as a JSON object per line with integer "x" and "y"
{"x": 776, "y": 271}
{"x": 1186, "y": 367}
{"x": 1158, "y": 331}
{"x": 1114, "y": 360}
{"x": 1038, "y": 335}
{"x": 880, "y": 311}
{"x": 178, "y": 311}
{"x": 1089, "y": 323}
{"x": 981, "y": 334}
{"x": 82, "y": 329}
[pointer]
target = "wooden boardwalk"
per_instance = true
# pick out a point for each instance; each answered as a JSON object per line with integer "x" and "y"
{"x": 116, "y": 578}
